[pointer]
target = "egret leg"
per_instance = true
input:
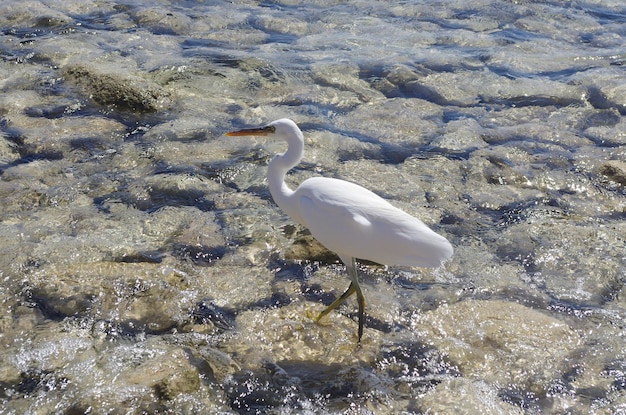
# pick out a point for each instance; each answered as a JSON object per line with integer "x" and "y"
{"x": 338, "y": 301}
{"x": 353, "y": 288}
{"x": 359, "y": 296}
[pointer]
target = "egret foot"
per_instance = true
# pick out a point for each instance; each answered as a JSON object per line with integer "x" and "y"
{"x": 353, "y": 288}
{"x": 338, "y": 301}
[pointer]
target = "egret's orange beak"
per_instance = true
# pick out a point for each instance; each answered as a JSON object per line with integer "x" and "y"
{"x": 252, "y": 131}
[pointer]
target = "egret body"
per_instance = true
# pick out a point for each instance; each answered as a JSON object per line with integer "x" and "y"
{"x": 347, "y": 218}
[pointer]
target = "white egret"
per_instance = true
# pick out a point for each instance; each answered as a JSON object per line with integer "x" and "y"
{"x": 347, "y": 218}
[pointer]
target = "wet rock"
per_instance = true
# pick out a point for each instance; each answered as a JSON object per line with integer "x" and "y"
{"x": 580, "y": 282}
{"x": 32, "y": 14}
{"x": 150, "y": 373}
{"x": 139, "y": 296}
{"x": 151, "y": 307}
{"x": 232, "y": 27}
{"x": 187, "y": 130}
{"x": 539, "y": 138}
{"x": 57, "y": 304}
{"x": 610, "y": 132}
{"x": 15, "y": 324}
{"x": 461, "y": 135}
{"x": 78, "y": 138}
{"x": 11, "y": 378}
{"x": 282, "y": 385}
{"x": 163, "y": 21}
{"x": 451, "y": 88}
{"x": 51, "y": 345}
{"x": 125, "y": 92}
{"x": 507, "y": 343}
{"x": 345, "y": 77}
{"x": 614, "y": 170}
{"x": 330, "y": 97}
{"x": 261, "y": 333}
{"x": 208, "y": 317}
{"x": 307, "y": 248}
{"x": 249, "y": 222}
{"x": 8, "y": 152}
{"x": 228, "y": 285}
{"x": 605, "y": 90}
{"x": 464, "y": 396}
{"x": 261, "y": 71}
{"x": 413, "y": 123}
{"x": 165, "y": 192}
{"x": 286, "y": 26}
{"x": 614, "y": 93}
{"x": 501, "y": 278}
{"x": 172, "y": 375}
{"x": 222, "y": 364}
{"x": 437, "y": 177}
{"x": 533, "y": 52}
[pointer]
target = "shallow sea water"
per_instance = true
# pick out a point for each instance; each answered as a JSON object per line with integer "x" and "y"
{"x": 146, "y": 269}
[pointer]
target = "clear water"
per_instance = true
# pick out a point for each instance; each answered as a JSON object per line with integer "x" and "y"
{"x": 145, "y": 268}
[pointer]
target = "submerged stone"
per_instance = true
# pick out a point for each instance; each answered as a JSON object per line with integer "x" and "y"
{"x": 465, "y": 396}
{"x": 125, "y": 92}
{"x": 614, "y": 170}
{"x": 501, "y": 342}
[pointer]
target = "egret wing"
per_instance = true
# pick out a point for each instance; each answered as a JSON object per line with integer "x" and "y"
{"x": 352, "y": 221}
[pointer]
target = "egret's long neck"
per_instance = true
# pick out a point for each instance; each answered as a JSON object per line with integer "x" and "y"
{"x": 276, "y": 172}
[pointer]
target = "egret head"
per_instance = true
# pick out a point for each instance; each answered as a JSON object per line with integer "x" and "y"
{"x": 283, "y": 128}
